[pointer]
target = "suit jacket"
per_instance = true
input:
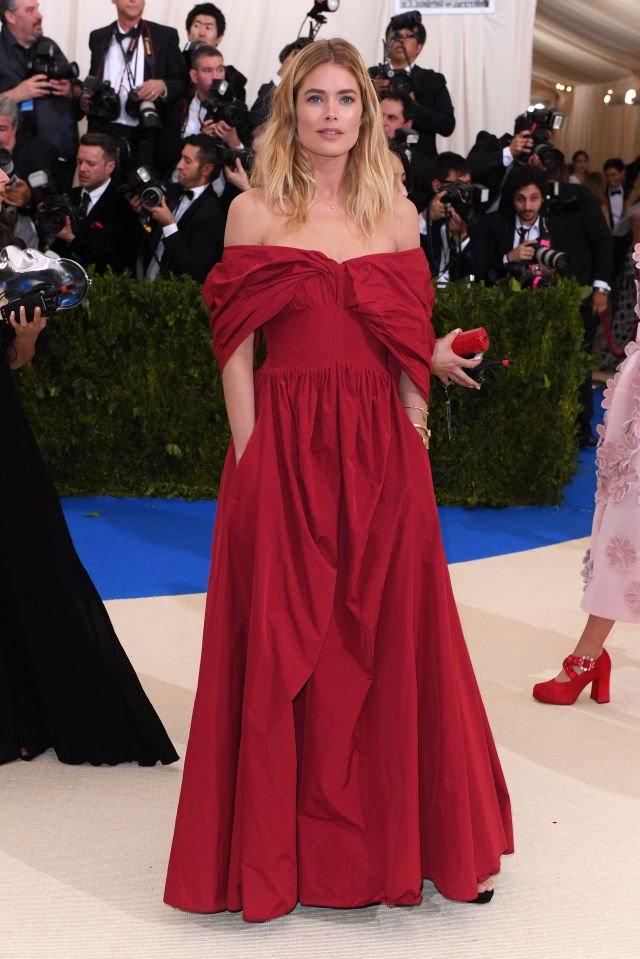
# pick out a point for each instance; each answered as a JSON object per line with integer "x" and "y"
{"x": 108, "y": 235}
{"x": 433, "y": 110}
{"x": 261, "y": 109}
{"x": 486, "y": 163}
{"x": 580, "y": 232}
{"x": 460, "y": 264}
{"x": 199, "y": 242}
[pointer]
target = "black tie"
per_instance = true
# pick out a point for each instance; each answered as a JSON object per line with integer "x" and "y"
{"x": 523, "y": 233}
{"x": 85, "y": 200}
{"x": 615, "y": 192}
{"x": 188, "y": 194}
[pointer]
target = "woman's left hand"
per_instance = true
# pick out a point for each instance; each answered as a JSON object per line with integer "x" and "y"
{"x": 449, "y": 367}
{"x": 28, "y": 330}
{"x": 24, "y": 344}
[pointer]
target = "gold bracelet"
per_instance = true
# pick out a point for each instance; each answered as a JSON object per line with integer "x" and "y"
{"x": 425, "y": 433}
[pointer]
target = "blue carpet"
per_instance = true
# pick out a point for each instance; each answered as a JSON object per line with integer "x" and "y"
{"x": 134, "y": 548}
{"x": 161, "y": 547}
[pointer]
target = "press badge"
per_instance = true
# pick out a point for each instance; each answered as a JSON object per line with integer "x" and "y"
{"x": 26, "y": 105}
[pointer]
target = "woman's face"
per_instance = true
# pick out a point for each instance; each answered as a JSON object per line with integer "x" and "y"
{"x": 399, "y": 177}
{"x": 4, "y": 179}
{"x": 328, "y": 111}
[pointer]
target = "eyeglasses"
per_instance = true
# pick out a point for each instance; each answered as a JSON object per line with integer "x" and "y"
{"x": 403, "y": 36}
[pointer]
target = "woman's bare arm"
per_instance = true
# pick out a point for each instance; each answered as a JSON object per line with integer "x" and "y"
{"x": 244, "y": 227}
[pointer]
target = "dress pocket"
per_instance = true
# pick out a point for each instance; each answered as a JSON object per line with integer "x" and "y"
{"x": 248, "y": 454}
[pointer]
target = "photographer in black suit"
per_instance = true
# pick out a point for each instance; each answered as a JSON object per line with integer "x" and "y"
{"x": 433, "y": 113}
{"x": 106, "y": 231}
{"x": 143, "y": 63}
{"x": 568, "y": 220}
{"x": 261, "y": 108}
{"x": 491, "y": 157}
{"x": 47, "y": 104}
{"x": 444, "y": 231}
{"x": 189, "y": 223}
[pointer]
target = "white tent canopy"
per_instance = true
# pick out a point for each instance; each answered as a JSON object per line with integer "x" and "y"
{"x": 487, "y": 59}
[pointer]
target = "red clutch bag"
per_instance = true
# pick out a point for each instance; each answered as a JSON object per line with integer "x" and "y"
{"x": 470, "y": 342}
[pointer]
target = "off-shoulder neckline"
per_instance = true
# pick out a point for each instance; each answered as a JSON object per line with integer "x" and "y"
{"x": 303, "y": 249}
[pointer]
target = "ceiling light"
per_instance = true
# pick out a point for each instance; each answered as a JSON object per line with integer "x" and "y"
{"x": 607, "y": 98}
{"x": 569, "y": 89}
{"x": 630, "y": 96}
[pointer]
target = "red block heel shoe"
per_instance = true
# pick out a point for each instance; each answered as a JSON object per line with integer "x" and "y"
{"x": 596, "y": 671}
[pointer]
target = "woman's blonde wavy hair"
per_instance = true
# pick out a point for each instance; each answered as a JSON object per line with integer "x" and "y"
{"x": 283, "y": 168}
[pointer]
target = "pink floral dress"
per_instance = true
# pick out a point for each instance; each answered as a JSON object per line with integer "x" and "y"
{"x": 612, "y": 566}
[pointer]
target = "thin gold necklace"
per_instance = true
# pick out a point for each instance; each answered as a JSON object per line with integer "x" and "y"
{"x": 332, "y": 206}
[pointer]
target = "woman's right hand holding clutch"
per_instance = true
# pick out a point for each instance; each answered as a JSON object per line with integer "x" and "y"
{"x": 448, "y": 366}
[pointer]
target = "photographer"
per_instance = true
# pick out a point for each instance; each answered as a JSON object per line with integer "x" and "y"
{"x": 189, "y": 221}
{"x": 142, "y": 63}
{"x": 102, "y": 228}
{"x": 217, "y": 110}
{"x": 566, "y": 220}
{"x": 433, "y": 112}
{"x": 491, "y": 157}
{"x": 444, "y": 232}
{"x": 37, "y": 76}
{"x": 397, "y": 115}
{"x": 261, "y": 108}
{"x": 18, "y": 159}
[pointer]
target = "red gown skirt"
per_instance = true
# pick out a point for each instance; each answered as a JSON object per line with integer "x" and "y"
{"x": 339, "y": 749}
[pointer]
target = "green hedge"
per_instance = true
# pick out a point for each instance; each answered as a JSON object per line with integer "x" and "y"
{"x": 128, "y": 401}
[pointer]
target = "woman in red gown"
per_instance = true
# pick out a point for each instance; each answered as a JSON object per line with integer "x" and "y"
{"x": 339, "y": 749}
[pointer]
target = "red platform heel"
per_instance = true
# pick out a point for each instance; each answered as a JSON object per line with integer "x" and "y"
{"x": 596, "y": 671}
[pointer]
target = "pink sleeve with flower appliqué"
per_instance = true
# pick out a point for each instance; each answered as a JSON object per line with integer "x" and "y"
{"x": 612, "y": 565}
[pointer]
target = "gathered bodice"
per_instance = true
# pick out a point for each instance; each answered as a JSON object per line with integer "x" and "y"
{"x": 370, "y": 311}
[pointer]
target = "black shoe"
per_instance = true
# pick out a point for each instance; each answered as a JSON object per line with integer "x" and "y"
{"x": 483, "y": 897}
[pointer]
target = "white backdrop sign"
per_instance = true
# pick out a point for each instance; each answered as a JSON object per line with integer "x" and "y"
{"x": 446, "y": 6}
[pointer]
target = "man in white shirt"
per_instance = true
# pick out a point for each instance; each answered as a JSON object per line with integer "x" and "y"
{"x": 143, "y": 63}
{"x": 207, "y": 67}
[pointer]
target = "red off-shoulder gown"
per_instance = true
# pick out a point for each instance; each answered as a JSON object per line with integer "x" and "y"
{"x": 339, "y": 749}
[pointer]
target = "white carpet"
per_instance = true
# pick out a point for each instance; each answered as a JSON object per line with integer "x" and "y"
{"x": 83, "y": 850}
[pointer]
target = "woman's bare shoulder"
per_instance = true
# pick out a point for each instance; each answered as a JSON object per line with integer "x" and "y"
{"x": 247, "y": 219}
{"x": 405, "y": 223}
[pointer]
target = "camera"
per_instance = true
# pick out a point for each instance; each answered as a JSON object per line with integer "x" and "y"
{"x": 225, "y": 105}
{"x": 465, "y": 198}
{"x": 400, "y": 83}
{"x": 144, "y": 184}
{"x": 554, "y": 203}
{"x": 540, "y": 123}
{"x": 7, "y": 167}
{"x": 228, "y": 157}
{"x": 53, "y": 215}
{"x": 43, "y": 60}
{"x": 551, "y": 259}
{"x": 406, "y": 136}
{"x": 104, "y": 102}
{"x": 146, "y": 112}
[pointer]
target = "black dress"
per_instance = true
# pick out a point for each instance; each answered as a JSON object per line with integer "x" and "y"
{"x": 65, "y": 680}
